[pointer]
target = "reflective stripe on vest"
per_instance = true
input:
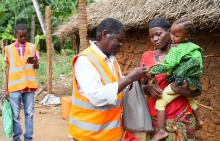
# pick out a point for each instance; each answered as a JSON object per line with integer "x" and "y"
{"x": 14, "y": 69}
{"x": 94, "y": 127}
{"x": 11, "y": 83}
{"x": 12, "y": 62}
{"x": 89, "y": 106}
{"x": 103, "y": 75}
{"x": 87, "y": 121}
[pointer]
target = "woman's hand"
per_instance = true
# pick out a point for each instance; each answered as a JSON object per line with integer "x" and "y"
{"x": 154, "y": 90}
{"x": 185, "y": 91}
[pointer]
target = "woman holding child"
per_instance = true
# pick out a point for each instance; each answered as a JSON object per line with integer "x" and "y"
{"x": 179, "y": 121}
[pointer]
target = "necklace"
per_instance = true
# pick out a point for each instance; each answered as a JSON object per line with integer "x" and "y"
{"x": 159, "y": 58}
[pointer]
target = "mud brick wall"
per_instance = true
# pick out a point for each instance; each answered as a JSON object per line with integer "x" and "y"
{"x": 130, "y": 54}
{"x": 138, "y": 42}
{"x": 211, "y": 89}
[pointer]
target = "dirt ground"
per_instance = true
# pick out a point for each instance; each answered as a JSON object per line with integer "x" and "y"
{"x": 48, "y": 122}
{"x": 48, "y": 125}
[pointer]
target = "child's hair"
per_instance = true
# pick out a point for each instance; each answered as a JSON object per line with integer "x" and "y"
{"x": 188, "y": 25}
{"x": 20, "y": 26}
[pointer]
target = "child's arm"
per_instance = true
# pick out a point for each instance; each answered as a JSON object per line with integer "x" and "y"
{"x": 172, "y": 60}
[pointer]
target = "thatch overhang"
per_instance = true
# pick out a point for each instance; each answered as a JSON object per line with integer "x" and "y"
{"x": 135, "y": 14}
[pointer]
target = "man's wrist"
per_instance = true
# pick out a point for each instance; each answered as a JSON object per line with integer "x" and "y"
{"x": 128, "y": 80}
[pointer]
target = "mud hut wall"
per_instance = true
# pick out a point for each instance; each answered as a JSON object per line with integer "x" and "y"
{"x": 138, "y": 42}
{"x": 211, "y": 88}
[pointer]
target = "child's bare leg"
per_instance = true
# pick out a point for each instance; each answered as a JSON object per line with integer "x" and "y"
{"x": 166, "y": 97}
{"x": 194, "y": 106}
{"x": 161, "y": 121}
{"x": 199, "y": 121}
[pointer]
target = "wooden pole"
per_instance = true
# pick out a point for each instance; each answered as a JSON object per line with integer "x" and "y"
{"x": 32, "y": 28}
{"x": 49, "y": 48}
{"x": 82, "y": 25}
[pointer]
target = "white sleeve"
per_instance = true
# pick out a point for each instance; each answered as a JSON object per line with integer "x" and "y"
{"x": 90, "y": 85}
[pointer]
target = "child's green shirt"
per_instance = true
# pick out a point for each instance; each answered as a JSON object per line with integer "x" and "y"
{"x": 183, "y": 62}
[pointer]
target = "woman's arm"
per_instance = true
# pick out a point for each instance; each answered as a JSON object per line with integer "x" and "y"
{"x": 152, "y": 89}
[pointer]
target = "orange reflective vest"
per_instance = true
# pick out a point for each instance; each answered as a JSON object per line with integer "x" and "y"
{"x": 21, "y": 74}
{"x": 91, "y": 123}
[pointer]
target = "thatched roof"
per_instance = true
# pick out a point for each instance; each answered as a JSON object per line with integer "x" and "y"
{"x": 137, "y": 13}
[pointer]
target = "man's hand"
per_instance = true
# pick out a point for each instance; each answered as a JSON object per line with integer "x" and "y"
{"x": 6, "y": 92}
{"x": 36, "y": 66}
{"x": 132, "y": 76}
{"x": 31, "y": 60}
{"x": 137, "y": 73}
{"x": 154, "y": 90}
{"x": 35, "y": 63}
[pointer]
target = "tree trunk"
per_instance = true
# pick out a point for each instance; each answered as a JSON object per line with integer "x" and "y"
{"x": 39, "y": 15}
{"x": 82, "y": 25}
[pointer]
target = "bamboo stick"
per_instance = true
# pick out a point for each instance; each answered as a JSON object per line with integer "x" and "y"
{"x": 205, "y": 106}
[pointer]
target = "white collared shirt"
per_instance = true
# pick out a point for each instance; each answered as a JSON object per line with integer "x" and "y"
{"x": 89, "y": 80}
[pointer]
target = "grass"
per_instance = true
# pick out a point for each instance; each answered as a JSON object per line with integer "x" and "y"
{"x": 61, "y": 66}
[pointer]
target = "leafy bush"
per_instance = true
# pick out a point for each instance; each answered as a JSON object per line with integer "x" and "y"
{"x": 2, "y": 70}
{"x": 61, "y": 66}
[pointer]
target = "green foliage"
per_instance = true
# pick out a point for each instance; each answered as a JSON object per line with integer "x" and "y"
{"x": 68, "y": 52}
{"x": 2, "y": 63}
{"x": 2, "y": 70}
{"x": 61, "y": 67}
{"x": 15, "y": 11}
{"x": 37, "y": 40}
{"x": 6, "y": 35}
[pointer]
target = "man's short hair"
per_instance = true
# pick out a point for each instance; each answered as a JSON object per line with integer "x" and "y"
{"x": 20, "y": 26}
{"x": 111, "y": 26}
{"x": 160, "y": 22}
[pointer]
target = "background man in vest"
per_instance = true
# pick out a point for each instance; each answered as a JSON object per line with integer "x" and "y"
{"x": 22, "y": 62}
{"x": 97, "y": 85}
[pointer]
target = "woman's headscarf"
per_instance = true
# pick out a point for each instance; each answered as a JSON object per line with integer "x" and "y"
{"x": 159, "y": 22}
